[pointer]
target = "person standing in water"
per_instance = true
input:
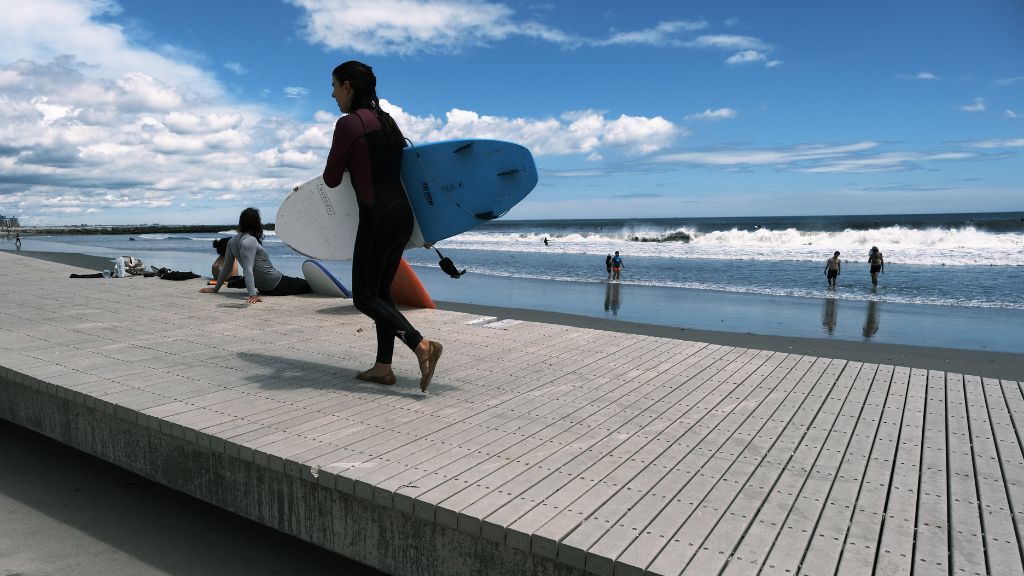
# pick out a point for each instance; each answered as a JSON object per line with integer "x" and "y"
{"x": 832, "y": 266}
{"x": 877, "y": 264}
{"x": 617, "y": 265}
{"x": 608, "y": 265}
{"x": 368, "y": 145}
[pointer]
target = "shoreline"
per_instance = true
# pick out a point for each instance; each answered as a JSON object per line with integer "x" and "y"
{"x": 989, "y": 364}
{"x": 125, "y": 229}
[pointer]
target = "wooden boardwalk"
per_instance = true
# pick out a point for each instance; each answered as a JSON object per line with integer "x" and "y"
{"x": 539, "y": 448}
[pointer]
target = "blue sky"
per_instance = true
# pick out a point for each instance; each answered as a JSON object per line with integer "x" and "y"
{"x": 186, "y": 112}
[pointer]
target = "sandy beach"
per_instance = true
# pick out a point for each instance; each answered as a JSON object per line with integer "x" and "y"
{"x": 986, "y": 363}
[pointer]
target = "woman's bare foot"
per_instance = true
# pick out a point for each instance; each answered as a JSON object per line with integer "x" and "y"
{"x": 427, "y": 352}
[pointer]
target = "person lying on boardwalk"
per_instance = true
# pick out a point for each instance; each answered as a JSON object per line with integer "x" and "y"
{"x": 261, "y": 278}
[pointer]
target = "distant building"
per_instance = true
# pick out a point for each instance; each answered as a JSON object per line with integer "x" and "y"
{"x": 8, "y": 222}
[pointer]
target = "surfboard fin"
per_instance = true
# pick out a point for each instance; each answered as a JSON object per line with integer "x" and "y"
{"x": 463, "y": 148}
{"x": 486, "y": 215}
{"x": 510, "y": 172}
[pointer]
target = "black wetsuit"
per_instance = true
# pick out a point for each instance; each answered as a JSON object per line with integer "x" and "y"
{"x": 385, "y": 222}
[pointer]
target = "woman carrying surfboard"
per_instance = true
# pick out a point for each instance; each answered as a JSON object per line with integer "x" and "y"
{"x": 368, "y": 145}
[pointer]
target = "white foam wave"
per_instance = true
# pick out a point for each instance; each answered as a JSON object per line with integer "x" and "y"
{"x": 966, "y": 246}
{"x": 153, "y": 236}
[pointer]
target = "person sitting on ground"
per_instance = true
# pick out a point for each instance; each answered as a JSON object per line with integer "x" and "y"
{"x": 261, "y": 278}
{"x": 221, "y": 246}
{"x": 832, "y": 266}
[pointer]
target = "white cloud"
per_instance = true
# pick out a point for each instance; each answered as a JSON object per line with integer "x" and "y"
{"x": 926, "y": 76}
{"x": 746, "y": 57}
{"x": 665, "y": 33}
{"x": 1008, "y": 81}
{"x": 1012, "y": 114}
{"x": 237, "y": 68}
{"x": 729, "y": 42}
{"x": 719, "y": 114}
{"x": 773, "y": 63}
{"x": 977, "y": 106}
{"x": 814, "y": 158}
{"x": 580, "y": 132}
{"x": 998, "y": 143}
{"x": 295, "y": 92}
{"x": 43, "y": 30}
{"x": 406, "y": 27}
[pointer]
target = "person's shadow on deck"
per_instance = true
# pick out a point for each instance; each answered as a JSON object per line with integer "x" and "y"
{"x": 289, "y": 374}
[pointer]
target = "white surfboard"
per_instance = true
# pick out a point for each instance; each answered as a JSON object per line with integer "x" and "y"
{"x": 322, "y": 281}
{"x": 320, "y": 222}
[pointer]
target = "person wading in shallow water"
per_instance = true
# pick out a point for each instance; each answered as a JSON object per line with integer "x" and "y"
{"x": 368, "y": 145}
{"x": 832, "y": 266}
{"x": 877, "y": 264}
{"x": 617, "y": 265}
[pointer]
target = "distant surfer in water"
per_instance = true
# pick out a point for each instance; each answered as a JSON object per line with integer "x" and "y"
{"x": 832, "y": 266}
{"x": 260, "y": 275}
{"x": 877, "y": 264}
{"x": 368, "y": 144}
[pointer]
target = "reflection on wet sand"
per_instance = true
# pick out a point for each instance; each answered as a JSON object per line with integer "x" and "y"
{"x": 829, "y": 314}
{"x": 871, "y": 322}
{"x": 611, "y": 298}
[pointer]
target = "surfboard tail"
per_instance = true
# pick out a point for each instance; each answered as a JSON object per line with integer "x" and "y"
{"x": 407, "y": 290}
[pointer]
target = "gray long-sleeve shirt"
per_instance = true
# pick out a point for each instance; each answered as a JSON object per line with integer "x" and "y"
{"x": 259, "y": 273}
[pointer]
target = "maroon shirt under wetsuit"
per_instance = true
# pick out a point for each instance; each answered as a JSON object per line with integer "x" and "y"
{"x": 360, "y": 146}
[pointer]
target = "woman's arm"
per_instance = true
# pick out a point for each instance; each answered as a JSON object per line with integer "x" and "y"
{"x": 346, "y": 131}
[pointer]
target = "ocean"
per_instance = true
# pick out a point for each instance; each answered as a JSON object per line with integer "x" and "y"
{"x": 952, "y": 280}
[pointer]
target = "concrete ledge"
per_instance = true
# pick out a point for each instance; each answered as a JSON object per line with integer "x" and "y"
{"x": 283, "y": 499}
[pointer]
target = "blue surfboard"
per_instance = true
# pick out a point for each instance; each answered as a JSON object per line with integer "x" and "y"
{"x": 455, "y": 186}
{"x": 322, "y": 281}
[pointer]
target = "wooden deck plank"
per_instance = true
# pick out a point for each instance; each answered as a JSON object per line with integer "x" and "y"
{"x": 738, "y": 519}
{"x": 967, "y": 551}
{"x": 753, "y": 549}
{"x": 1001, "y": 546}
{"x": 584, "y": 520}
{"x": 619, "y": 521}
{"x": 1000, "y": 395}
{"x": 798, "y": 530}
{"x": 895, "y": 552}
{"x": 706, "y": 539}
{"x": 832, "y": 527}
{"x": 690, "y": 382}
{"x": 618, "y": 444}
{"x": 869, "y": 510}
